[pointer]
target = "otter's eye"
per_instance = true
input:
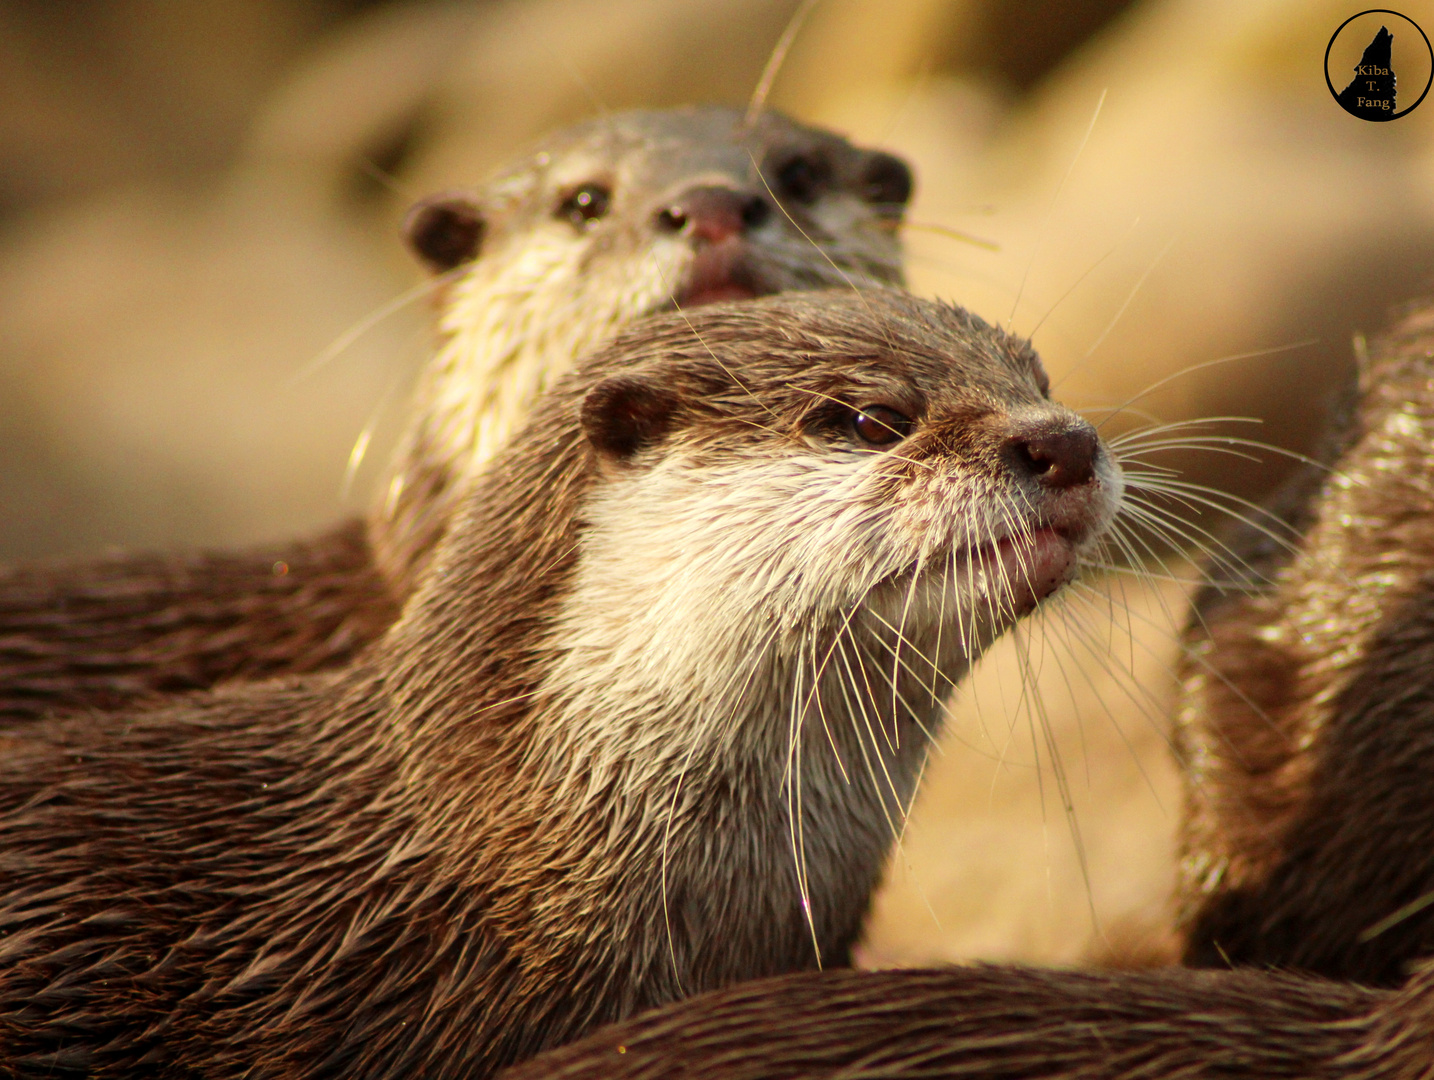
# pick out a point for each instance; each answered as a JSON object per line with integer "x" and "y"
{"x": 585, "y": 205}
{"x": 803, "y": 179}
{"x": 886, "y": 181}
{"x": 877, "y": 425}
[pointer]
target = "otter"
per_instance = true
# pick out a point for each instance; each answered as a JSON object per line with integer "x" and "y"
{"x": 1306, "y": 731}
{"x": 601, "y": 224}
{"x": 647, "y": 726}
{"x": 1306, "y": 725}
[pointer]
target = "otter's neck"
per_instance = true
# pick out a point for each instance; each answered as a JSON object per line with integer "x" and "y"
{"x": 673, "y": 803}
{"x": 501, "y": 345}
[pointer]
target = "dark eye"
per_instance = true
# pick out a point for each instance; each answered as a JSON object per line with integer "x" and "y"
{"x": 886, "y": 181}
{"x": 877, "y": 425}
{"x": 585, "y": 205}
{"x": 803, "y": 178}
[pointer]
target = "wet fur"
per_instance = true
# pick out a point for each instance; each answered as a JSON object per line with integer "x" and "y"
{"x": 1305, "y": 732}
{"x": 125, "y": 629}
{"x": 110, "y": 632}
{"x": 1307, "y": 723}
{"x": 1012, "y": 1023}
{"x": 478, "y": 840}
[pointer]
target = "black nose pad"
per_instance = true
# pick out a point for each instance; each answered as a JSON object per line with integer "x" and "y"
{"x": 713, "y": 213}
{"x": 1059, "y": 454}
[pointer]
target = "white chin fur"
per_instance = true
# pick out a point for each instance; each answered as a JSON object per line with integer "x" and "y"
{"x": 695, "y": 583}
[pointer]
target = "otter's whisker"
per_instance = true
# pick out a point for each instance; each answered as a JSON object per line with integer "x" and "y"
{"x": 794, "y": 806}
{"x": 1036, "y": 707}
{"x": 1085, "y": 274}
{"x": 819, "y": 249}
{"x": 360, "y": 447}
{"x": 663, "y": 858}
{"x": 1119, "y": 314}
{"x": 1165, "y": 427}
{"x": 826, "y": 727}
{"x": 900, "y": 637}
{"x": 672, "y": 295}
{"x": 901, "y": 698}
{"x": 1165, "y": 527}
{"x": 1123, "y": 677}
{"x": 875, "y": 748}
{"x": 774, "y": 63}
{"x": 953, "y": 234}
{"x": 917, "y": 651}
{"x": 1045, "y": 224}
{"x": 341, "y": 343}
{"x": 1192, "y": 368}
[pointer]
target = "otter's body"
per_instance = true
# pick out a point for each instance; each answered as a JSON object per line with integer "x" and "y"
{"x": 1307, "y": 725}
{"x": 602, "y": 224}
{"x": 129, "y": 629}
{"x": 647, "y": 728}
{"x": 1010, "y": 1023}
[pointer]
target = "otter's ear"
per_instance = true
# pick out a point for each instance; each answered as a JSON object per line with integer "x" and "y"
{"x": 886, "y": 182}
{"x": 625, "y": 413}
{"x": 445, "y": 231}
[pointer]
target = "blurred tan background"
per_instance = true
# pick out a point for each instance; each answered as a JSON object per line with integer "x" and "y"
{"x": 198, "y": 200}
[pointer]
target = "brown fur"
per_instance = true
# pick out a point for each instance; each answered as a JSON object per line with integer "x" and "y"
{"x": 1307, "y": 726}
{"x": 402, "y": 869}
{"x": 112, "y": 632}
{"x": 1012, "y": 1023}
{"x": 116, "y": 631}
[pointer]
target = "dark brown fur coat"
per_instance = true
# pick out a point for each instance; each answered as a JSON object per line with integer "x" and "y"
{"x": 439, "y": 861}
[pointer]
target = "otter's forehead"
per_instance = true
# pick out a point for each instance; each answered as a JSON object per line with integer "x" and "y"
{"x": 649, "y": 152}
{"x": 790, "y": 351}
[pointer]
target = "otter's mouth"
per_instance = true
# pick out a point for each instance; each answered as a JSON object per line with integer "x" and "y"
{"x": 721, "y": 272}
{"x": 1032, "y": 565}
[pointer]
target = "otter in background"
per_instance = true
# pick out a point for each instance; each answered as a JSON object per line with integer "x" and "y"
{"x": 603, "y": 223}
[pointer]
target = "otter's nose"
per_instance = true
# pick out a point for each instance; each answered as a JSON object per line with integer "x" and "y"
{"x": 1058, "y": 453}
{"x": 713, "y": 213}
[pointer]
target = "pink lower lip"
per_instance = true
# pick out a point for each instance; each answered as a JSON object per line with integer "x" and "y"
{"x": 720, "y": 271}
{"x": 1035, "y": 564}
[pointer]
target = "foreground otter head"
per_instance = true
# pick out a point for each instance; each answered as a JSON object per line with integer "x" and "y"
{"x": 815, "y": 454}
{"x": 790, "y": 526}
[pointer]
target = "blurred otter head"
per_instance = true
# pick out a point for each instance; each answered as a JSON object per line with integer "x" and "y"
{"x": 606, "y": 222}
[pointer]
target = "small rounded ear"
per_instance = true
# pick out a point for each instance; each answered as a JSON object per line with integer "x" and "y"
{"x": 886, "y": 182}
{"x": 445, "y": 231}
{"x": 625, "y": 413}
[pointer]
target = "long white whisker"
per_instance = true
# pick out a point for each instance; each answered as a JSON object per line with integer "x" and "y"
{"x": 1192, "y": 368}
{"x": 1045, "y": 225}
